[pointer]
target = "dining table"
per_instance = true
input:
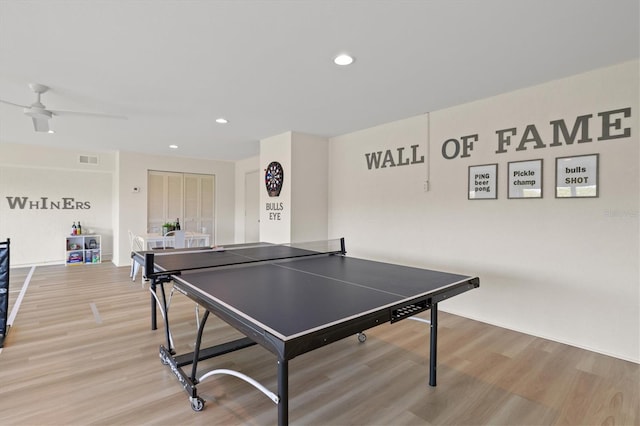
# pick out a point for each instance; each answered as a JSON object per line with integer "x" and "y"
{"x": 177, "y": 239}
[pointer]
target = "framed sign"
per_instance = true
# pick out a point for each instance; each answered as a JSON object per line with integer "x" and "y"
{"x": 525, "y": 179}
{"x": 577, "y": 177}
{"x": 483, "y": 181}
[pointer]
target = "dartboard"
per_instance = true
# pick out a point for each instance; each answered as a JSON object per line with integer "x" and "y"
{"x": 273, "y": 177}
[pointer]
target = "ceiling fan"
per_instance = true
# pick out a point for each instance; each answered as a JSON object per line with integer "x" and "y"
{"x": 41, "y": 116}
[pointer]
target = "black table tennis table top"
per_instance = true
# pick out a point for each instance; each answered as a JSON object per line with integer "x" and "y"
{"x": 292, "y": 300}
{"x": 290, "y": 292}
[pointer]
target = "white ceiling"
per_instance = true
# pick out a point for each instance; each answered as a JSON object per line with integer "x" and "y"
{"x": 172, "y": 67}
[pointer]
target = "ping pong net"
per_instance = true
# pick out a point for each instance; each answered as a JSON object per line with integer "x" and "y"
{"x": 173, "y": 263}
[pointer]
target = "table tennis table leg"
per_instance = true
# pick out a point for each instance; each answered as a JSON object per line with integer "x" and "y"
{"x": 196, "y": 349}
{"x": 433, "y": 344}
{"x": 167, "y": 332}
{"x": 154, "y": 323}
{"x": 283, "y": 392}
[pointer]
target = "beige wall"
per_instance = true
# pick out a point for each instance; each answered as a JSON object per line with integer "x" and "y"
{"x": 565, "y": 269}
{"x": 275, "y": 224}
{"x": 115, "y": 208}
{"x": 38, "y": 230}
{"x": 299, "y": 213}
{"x": 309, "y": 188}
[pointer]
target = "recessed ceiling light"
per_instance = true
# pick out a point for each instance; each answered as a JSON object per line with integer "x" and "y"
{"x": 173, "y": 146}
{"x": 343, "y": 59}
{"x": 51, "y": 131}
{"x": 221, "y": 120}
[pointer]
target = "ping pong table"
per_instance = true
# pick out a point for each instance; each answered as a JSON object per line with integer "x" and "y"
{"x": 291, "y": 299}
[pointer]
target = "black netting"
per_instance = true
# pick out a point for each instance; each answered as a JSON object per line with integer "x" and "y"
{"x": 4, "y": 287}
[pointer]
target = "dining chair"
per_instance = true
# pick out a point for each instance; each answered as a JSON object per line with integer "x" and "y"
{"x": 131, "y": 235}
{"x": 188, "y": 239}
{"x": 137, "y": 244}
{"x": 133, "y": 263}
{"x": 178, "y": 240}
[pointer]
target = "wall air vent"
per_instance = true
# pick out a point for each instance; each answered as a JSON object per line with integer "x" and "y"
{"x": 88, "y": 159}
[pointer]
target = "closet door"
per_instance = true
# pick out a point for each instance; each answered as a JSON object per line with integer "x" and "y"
{"x": 191, "y": 201}
{"x": 165, "y": 201}
{"x": 175, "y": 199}
{"x": 207, "y": 206}
{"x": 199, "y": 204}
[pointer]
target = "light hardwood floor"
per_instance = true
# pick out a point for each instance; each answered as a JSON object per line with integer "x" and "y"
{"x": 65, "y": 363}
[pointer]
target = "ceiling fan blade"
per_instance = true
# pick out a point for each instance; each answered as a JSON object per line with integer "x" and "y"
{"x": 40, "y": 124}
{"x": 88, "y": 114}
{"x": 11, "y": 103}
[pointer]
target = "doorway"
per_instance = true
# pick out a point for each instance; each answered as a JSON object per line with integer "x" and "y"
{"x": 251, "y": 207}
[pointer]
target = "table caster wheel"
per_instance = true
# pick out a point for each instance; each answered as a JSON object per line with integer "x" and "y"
{"x": 197, "y": 404}
{"x": 362, "y": 337}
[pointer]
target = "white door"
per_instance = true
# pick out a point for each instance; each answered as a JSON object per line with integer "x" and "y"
{"x": 165, "y": 199}
{"x": 251, "y": 207}
{"x": 199, "y": 204}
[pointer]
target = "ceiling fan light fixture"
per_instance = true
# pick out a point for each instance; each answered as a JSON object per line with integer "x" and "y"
{"x": 222, "y": 120}
{"x": 37, "y": 112}
{"x": 343, "y": 59}
{"x": 173, "y": 146}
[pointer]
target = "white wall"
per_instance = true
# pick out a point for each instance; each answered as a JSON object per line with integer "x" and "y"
{"x": 242, "y": 168}
{"x": 309, "y": 188}
{"x": 132, "y": 207}
{"x": 275, "y": 212}
{"x": 565, "y": 269}
{"x": 38, "y": 231}
{"x": 299, "y": 213}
